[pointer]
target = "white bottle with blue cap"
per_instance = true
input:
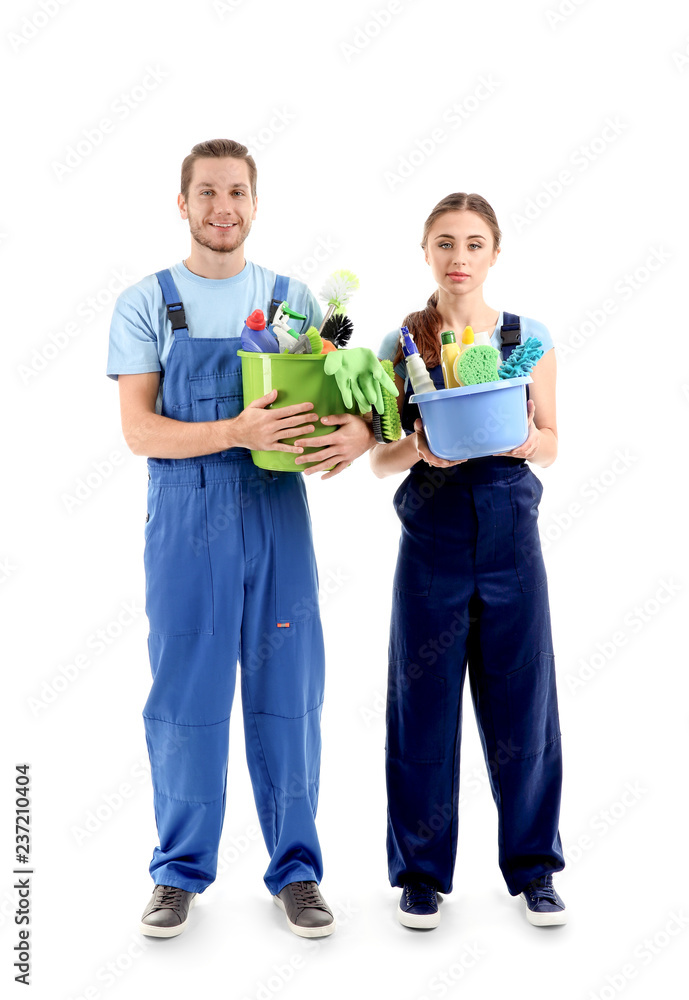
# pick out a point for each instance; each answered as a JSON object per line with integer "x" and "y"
{"x": 416, "y": 369}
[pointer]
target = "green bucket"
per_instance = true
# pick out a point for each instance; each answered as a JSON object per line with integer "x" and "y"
{"x": 298, "y": 378}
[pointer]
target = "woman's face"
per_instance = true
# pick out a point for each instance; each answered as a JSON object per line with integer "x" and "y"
{"x": 459, "y": 250}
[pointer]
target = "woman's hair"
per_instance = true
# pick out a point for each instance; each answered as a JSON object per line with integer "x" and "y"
{"x": 217, "y": 148}
{"x": 425, "y": 324}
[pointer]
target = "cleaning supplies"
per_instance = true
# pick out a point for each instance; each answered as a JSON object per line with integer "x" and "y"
{"x": 255, "y": 337}
{"x": 338, "y": 329}
{"x": 416, "y": 369}
{"x": 301, "y": 346}
{"x": 315, "y": 340}
{"x": 284, "y": 333}
{"x": 483, "y": 337}
{"x": 337, "y": 291}
{"x": 359, "y": 373}
{"x": 468, "y": 339}
{"x": 522, "y": 359}
{"x": 386, "y": 425}
{"x": 448, "y": 353}
{"x": 480, "y": 364}
{"x": 308, "y": 343}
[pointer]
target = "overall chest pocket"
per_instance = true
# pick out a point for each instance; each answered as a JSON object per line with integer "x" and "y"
{"x": 216, "y": 397}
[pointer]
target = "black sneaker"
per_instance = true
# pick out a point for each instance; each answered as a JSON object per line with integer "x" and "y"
{"x": 306, "y": 910}
{"x": 167, "y": 911}
{"x": 419, "y": 905}
{"x": 543, "y": 905}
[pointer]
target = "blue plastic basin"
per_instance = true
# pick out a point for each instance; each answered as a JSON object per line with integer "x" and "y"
{"x": 475, "y": 420}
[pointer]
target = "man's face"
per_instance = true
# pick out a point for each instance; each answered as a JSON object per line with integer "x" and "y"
{"x": 219, "y": 208}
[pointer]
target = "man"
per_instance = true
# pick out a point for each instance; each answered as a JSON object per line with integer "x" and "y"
{"x": 230, "y": 568}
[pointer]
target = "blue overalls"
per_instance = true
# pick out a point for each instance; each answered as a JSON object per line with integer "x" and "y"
{"x": 230, "y": 574}
{"x": 470, "y": 589}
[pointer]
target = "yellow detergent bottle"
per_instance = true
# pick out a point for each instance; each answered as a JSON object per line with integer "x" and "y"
{"x": 467, "y": 341}
{"x": 448, "y": 353}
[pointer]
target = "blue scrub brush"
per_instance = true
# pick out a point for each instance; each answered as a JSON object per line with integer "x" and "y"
{"x": 522, "y": 359}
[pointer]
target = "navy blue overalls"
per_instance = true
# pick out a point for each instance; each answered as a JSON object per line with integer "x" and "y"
{"x": 230, "y": 575}
{"x": 470, "y": 589}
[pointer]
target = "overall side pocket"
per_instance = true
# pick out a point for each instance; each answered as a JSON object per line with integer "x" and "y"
{"x": 532, "y": 704}
{"x": 525, "y": 495}
{"x": 179, "y": 590}
{"x": 414, "y": 569}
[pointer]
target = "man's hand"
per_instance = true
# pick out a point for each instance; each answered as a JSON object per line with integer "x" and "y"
{"x": 353, "y": 437}
{"x": 261, "y": 429}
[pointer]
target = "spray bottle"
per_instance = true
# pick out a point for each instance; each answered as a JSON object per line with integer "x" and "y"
{"x": 416, "y": 369}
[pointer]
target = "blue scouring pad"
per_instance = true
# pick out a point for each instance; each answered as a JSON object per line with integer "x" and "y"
{"x": 522, "y": 359}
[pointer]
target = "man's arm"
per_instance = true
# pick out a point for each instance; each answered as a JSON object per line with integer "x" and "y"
{"x": 148, "y": 433}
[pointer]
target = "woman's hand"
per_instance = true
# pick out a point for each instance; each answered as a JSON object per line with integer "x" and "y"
{"x": 425, "y": 453}
{"x": 533, "y": 441}
{"x": 352, "y": 438}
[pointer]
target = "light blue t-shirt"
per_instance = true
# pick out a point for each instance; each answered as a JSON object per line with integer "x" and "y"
{"x": 529, "y": 328}
{"x": 141, "y": 337}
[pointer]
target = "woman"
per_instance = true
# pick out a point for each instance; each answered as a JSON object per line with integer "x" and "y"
{"x": 470, "y": 588}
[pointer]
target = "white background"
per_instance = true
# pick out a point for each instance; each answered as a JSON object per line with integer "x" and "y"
{"x": 358, "y": 96}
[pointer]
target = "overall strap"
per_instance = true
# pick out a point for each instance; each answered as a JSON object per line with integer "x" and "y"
{"x": 510, "y": 334}
{"x": 279, "y": 295}
{"x": 175, "y": 309}
{"x": 510, "y": 337}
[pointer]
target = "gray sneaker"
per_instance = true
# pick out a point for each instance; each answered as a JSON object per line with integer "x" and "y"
{"x": 167, "y": 911}
{"x": 306, "y": 910}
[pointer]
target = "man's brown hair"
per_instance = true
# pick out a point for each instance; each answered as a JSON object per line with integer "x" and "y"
{"x": 217, "y": 148}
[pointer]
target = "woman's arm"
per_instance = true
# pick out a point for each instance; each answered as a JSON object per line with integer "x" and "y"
{"x": 398, "y": 456}
{"x": 540, "y": 447}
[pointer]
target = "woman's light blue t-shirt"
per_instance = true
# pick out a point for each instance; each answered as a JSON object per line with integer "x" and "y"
{"x": 141, "y": 337}
{"x": 529, "y": 328}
